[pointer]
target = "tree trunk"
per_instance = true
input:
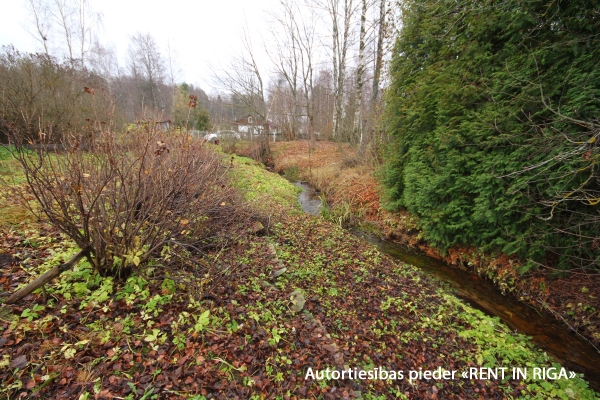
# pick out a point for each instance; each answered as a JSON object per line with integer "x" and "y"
{"x": 359, "y": 73}
{"x": 379, "y": 55}
{"x": 336, "y": 38}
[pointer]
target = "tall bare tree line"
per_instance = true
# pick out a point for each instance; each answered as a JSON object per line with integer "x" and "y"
{"x": 143, "y": 87}
{"x": 322, "y": 77}
{"x": 326, "y": 61}
{"x": 63, "y": 26}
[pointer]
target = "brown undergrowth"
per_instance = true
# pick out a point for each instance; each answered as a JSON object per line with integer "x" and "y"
{"x": 349, "y": 183}
{"x": 334, "y": 169}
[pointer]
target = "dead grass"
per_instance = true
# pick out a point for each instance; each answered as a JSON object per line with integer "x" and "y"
{"x": 333, "y": 169}
{"x": 14, "y": 215}
{"x": 86, "y": 375}
{"x": 323, "y": 154}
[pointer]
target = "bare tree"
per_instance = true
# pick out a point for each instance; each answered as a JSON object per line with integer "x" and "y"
{"x": 174, "y": 71}
{"x": 63, "y": 15}
{"x": 40, "y": 15}
{"x": 103, "y": 60}
{"x": 340, "y": 12}
{"x": 323, "y": 103}
{"x": 306, "y": 33}
{"x": 378, "y": 54}
{"x": 358, "y": 123}
{"x": 292, "y": 50}
{"x": 71, "y": 23}
{"x": 147, "y": 68}
{"x": 386, "y": 23}
{"x": 243, "y": 79}
{"x": 284, "y": 51}
{"x": 86, "y": 21}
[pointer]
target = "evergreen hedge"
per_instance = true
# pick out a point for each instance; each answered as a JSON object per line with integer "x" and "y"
{"x": 494, "y": 115}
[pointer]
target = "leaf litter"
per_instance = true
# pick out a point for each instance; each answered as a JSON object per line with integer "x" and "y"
{"x": 153, "y": 337}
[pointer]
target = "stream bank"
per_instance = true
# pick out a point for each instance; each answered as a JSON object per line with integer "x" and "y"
{"x": 566, "y": 347}
{"x": 348, "y": 184}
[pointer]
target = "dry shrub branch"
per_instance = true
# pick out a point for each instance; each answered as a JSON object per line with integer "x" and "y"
{"x": 124, "y": 197}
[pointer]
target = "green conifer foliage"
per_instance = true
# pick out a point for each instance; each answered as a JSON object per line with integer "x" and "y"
{"x": 494, "y": 114}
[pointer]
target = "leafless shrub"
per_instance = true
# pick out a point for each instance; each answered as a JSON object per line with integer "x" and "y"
{"x": 125, "y": 197}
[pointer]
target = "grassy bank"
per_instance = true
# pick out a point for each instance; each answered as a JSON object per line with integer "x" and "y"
{"x": 336, "y": 302}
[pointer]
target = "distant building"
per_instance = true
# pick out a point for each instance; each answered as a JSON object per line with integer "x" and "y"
{"x": 254, "y": 125}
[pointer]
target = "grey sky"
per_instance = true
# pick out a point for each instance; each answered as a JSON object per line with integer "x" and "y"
{"x": 198, "y": 31}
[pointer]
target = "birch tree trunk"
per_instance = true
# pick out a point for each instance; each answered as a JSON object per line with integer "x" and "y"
{"x": 358, "y": 128}
{"x": 378, "y": 55}
{"x": 342, "y": 63}
{"x": 334, "y": 4}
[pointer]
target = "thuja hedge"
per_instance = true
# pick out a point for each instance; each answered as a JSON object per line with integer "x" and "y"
{"x": 493, "y": 111}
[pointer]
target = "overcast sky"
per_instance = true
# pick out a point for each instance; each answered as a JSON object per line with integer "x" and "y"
{"x": 199, "y": 31}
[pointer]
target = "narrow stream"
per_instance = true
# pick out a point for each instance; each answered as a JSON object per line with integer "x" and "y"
{"x": 549, "y": 334}
{"x": 309, "y": 199}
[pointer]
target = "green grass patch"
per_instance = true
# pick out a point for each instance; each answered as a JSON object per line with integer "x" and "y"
{"x": 12, "y": 209}
{"x": 264, "y": 189}
{"x": 10, "y": 169}
{"x": 5, "y": 152}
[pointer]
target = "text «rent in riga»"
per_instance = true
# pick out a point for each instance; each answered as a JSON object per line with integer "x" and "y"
{"x": 501, "y": 373}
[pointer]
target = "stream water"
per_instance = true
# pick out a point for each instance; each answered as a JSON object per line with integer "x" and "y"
{"x": 309, "y": 199}
{"x": 549, "y": 334}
